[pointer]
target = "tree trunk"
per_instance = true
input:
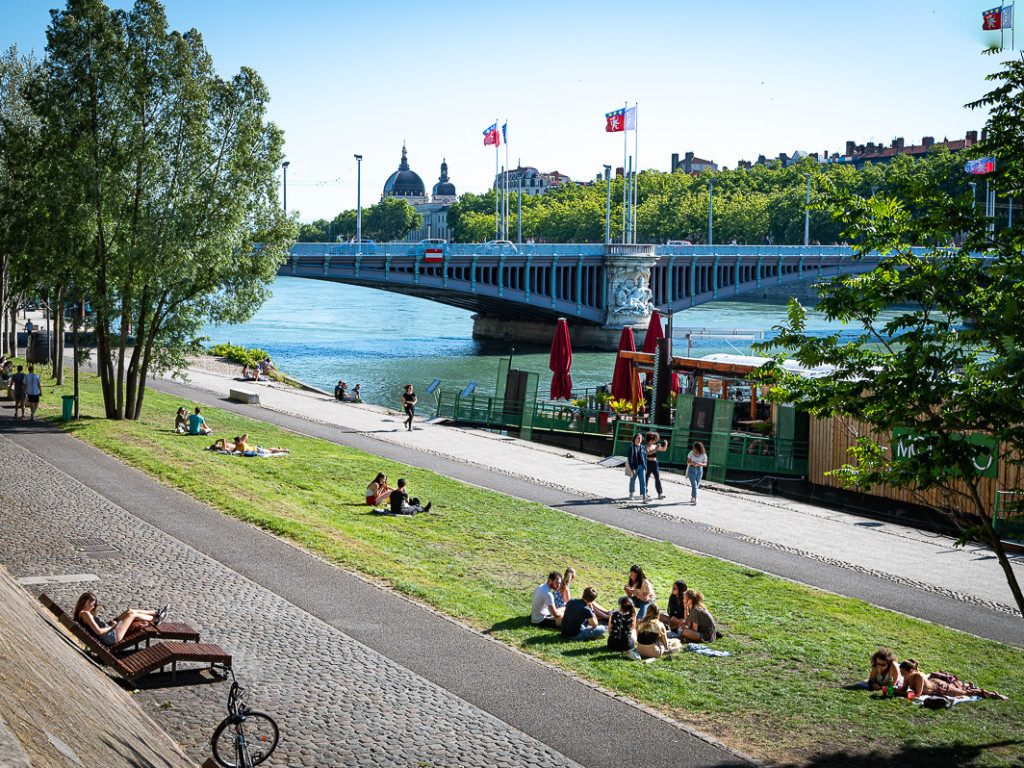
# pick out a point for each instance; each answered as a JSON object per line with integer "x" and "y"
{"x": 997, "y": 546}
{"x": 58, "y": 339}
{"x": 4, "y": 341}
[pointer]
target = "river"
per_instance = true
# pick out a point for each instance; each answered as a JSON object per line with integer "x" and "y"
{"x": 320, "y": 332}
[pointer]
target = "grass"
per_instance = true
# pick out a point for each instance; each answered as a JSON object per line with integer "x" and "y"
{"x": 782, "y": 696}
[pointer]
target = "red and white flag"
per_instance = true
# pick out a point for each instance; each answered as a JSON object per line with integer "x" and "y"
{"x": 491, "y": 136}
{"x": 992, "y": 19}
{"x": 615, "y": 121}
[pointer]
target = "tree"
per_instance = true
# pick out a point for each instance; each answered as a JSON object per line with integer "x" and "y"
{"x": 940, "y": 360}
{"x": 175, "y": 166}
{"x": 391, "y": 219}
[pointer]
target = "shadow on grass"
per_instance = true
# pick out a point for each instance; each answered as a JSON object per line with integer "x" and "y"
{"x": 908, "y": 756}
{"x": 511, "y": 624}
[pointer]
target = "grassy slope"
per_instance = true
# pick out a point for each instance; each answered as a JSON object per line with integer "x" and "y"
{"x": 478, "y": 556}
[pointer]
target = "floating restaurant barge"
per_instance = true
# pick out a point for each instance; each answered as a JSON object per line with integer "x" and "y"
{"x": 778, "y": 448}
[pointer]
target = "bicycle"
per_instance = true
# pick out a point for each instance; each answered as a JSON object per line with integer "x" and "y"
{"x": 234, "y": 739}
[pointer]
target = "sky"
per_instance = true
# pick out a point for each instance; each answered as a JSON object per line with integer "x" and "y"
{"x": 727, "y": 81}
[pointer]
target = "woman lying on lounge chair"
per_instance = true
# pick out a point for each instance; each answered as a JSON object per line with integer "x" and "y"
{"x": 113, "y": 633}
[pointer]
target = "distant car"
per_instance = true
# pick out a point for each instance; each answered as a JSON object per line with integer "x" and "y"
{"x": 501, "y": 244}
{"x": 678, "y": 242}
{"x": 433, "y": 241}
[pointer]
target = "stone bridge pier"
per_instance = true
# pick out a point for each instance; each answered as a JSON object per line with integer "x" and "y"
{"x": 628, "y": 301}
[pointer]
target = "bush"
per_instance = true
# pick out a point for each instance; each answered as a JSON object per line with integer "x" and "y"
{"x": 238, "y": 354}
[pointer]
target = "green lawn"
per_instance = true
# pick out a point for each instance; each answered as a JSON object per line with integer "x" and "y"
{"x": 782, "y": 696}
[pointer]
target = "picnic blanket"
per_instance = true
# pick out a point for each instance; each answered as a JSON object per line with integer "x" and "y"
{"x": 703, "y": 650}
{"x": 385, "y": 512}
{"x": 258, "y": 453}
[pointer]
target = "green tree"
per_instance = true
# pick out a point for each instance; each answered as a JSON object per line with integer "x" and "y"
{"x": 176, "y": 168}
{"x": 391, "y": 219}
{"x": 940, "y": 353}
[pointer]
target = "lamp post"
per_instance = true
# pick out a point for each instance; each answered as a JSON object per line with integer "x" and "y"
{"x": 608, "y": 206}
{"x": 711, "y": 206}
{"x": 285, "y": 165}
{"x": 974, "y": 193}
{"x": 359, "y": 203}
{"x": 807, "y": 211}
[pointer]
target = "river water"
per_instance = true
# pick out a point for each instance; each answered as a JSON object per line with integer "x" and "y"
{"x": 320, "y": 332}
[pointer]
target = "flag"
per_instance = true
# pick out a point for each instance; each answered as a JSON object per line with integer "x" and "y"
{"x": 504, "y": 132}
{"x": 1006, "y": 21}
{"x": 992, "y": 19}
{"x": 615, "y": 121}
{"x": 631, "y": 119}
{"x": 491, "y": 136}
{"x": 980, "y": 166}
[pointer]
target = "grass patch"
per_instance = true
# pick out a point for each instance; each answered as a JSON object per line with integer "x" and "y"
{"x": 478, "y": 555}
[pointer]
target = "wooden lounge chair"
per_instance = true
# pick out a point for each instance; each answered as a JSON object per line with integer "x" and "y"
{"x": 167, "y": 630}
{"x": 143, "y": 661}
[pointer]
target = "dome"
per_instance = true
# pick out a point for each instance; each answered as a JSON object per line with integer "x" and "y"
{"x": 443, "y": 186}
{"x": 404, "y": 182}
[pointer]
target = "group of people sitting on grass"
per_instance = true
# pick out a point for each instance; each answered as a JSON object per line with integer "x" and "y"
{"x": 115, "y": 631}
{"x": 638, "y": 628}
{"x": 342, "y": 394}
{"x": 378, "y": 492}
{"x": 905, "y": 678}
{"x": 241, "y": 445}
{"x": 186, "y": 423}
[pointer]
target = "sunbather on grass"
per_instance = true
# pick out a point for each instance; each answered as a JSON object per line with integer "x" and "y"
{"x": 115, "y": 631}
{"x": 242, "y": 444}
{"x": 938, "y": 684}
{"x": 885, "y": 671}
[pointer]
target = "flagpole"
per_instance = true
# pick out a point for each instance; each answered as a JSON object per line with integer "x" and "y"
{"x": 505, "y": 136}
{"x": 497, "y": 188}
{"x": 636, "y": 173}
{"x": 625, "y": 180}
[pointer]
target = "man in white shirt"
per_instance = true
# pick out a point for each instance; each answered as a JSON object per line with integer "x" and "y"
{"x": 32, "y": 391}
{"x": 544, "y": 612}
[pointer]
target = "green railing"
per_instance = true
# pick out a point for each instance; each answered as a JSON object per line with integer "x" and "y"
{"x": 492, "y": 412}
{"x": 1008, "y": 516}
{"x": 770, "y": 455}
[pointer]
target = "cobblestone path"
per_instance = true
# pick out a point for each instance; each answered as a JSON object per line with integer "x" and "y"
{"x": 338, "y": 703}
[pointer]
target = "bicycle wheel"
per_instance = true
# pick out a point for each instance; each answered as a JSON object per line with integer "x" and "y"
{"x": 259, "y": 733}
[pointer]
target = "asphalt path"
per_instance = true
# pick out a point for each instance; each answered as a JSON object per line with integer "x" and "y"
{"x": 837, "y": 578}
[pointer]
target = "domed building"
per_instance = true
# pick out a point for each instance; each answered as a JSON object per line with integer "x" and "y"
{"x": 406, "y": 184}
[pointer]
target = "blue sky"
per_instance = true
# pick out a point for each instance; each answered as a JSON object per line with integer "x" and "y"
{"x": 727, "y": 81}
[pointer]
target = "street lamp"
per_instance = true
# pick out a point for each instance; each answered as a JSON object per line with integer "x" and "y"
{"x": 711, "y": 205}
{"x": 359, "y": 203}
{"x": 974, "y": 193}
{"x": 285, "y": 165}
{"x": 608, "y": 206}
{"x": 807, "y": 211}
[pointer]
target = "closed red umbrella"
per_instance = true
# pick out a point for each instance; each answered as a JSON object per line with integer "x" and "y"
{"x": 654, "y": 332}
{"x": 560, "y": 362}
{"x": 625, "y": 382}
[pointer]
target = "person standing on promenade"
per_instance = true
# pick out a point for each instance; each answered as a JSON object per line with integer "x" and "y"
{"x": 653, "y": 444}
{"x": 33, "y": 389}
{"x": 18, "y": 383}
{"x": 409, "y": 405}
{"x": 696, "y": 461}
{"x": 638, "y": 466}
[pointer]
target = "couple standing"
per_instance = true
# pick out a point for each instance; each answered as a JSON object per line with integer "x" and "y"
{"x": 642, "y": 463}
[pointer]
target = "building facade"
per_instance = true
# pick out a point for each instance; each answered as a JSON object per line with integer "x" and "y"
{"x": 406, "y": 184}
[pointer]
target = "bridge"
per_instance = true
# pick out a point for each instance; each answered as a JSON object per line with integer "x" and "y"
{"x": 517, "y": 291}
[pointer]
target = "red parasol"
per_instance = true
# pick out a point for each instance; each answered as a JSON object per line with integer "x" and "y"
{"x": 625, "y": 381}
{"x": 561, "y": 362}
{"x": 654, "y": 332}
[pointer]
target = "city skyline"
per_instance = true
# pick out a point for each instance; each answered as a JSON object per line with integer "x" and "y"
{"x": 350, "y": 79}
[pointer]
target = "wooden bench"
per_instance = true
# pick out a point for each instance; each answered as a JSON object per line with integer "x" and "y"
{"x": 143, "y": 661}
{"x": 166, "y": 630}
{"x": 241, "y": 396}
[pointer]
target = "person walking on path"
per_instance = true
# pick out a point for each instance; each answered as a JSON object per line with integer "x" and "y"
{"x": 696, "y": 460}
{"x": 653, "y": 444}
{"x": 18, "y": 383}
{"x": 638, "y": 466}
{"x": 32, "y": 392}
{"x": 409, "y": 405}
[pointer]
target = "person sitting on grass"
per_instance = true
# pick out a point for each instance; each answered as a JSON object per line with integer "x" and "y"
{"x": 698, "y": 625}
{"x": 622, "y": 629}
{"x": 676, "y": 608}
{"x": 579, "y": 620}
{"x": 181, "y": 421}
{"x": 563, "y": 595}
{"x": 937, "y": 684}
{"x": 378, "y": 491}
{"x": 113, "y": 633}
{"x": 885, "y": 672}
{"x": 543, "y": 610}
{"x": 651, "y": 639}
{"x": 197, "y": 424}
{"x": 401, "y": 504}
